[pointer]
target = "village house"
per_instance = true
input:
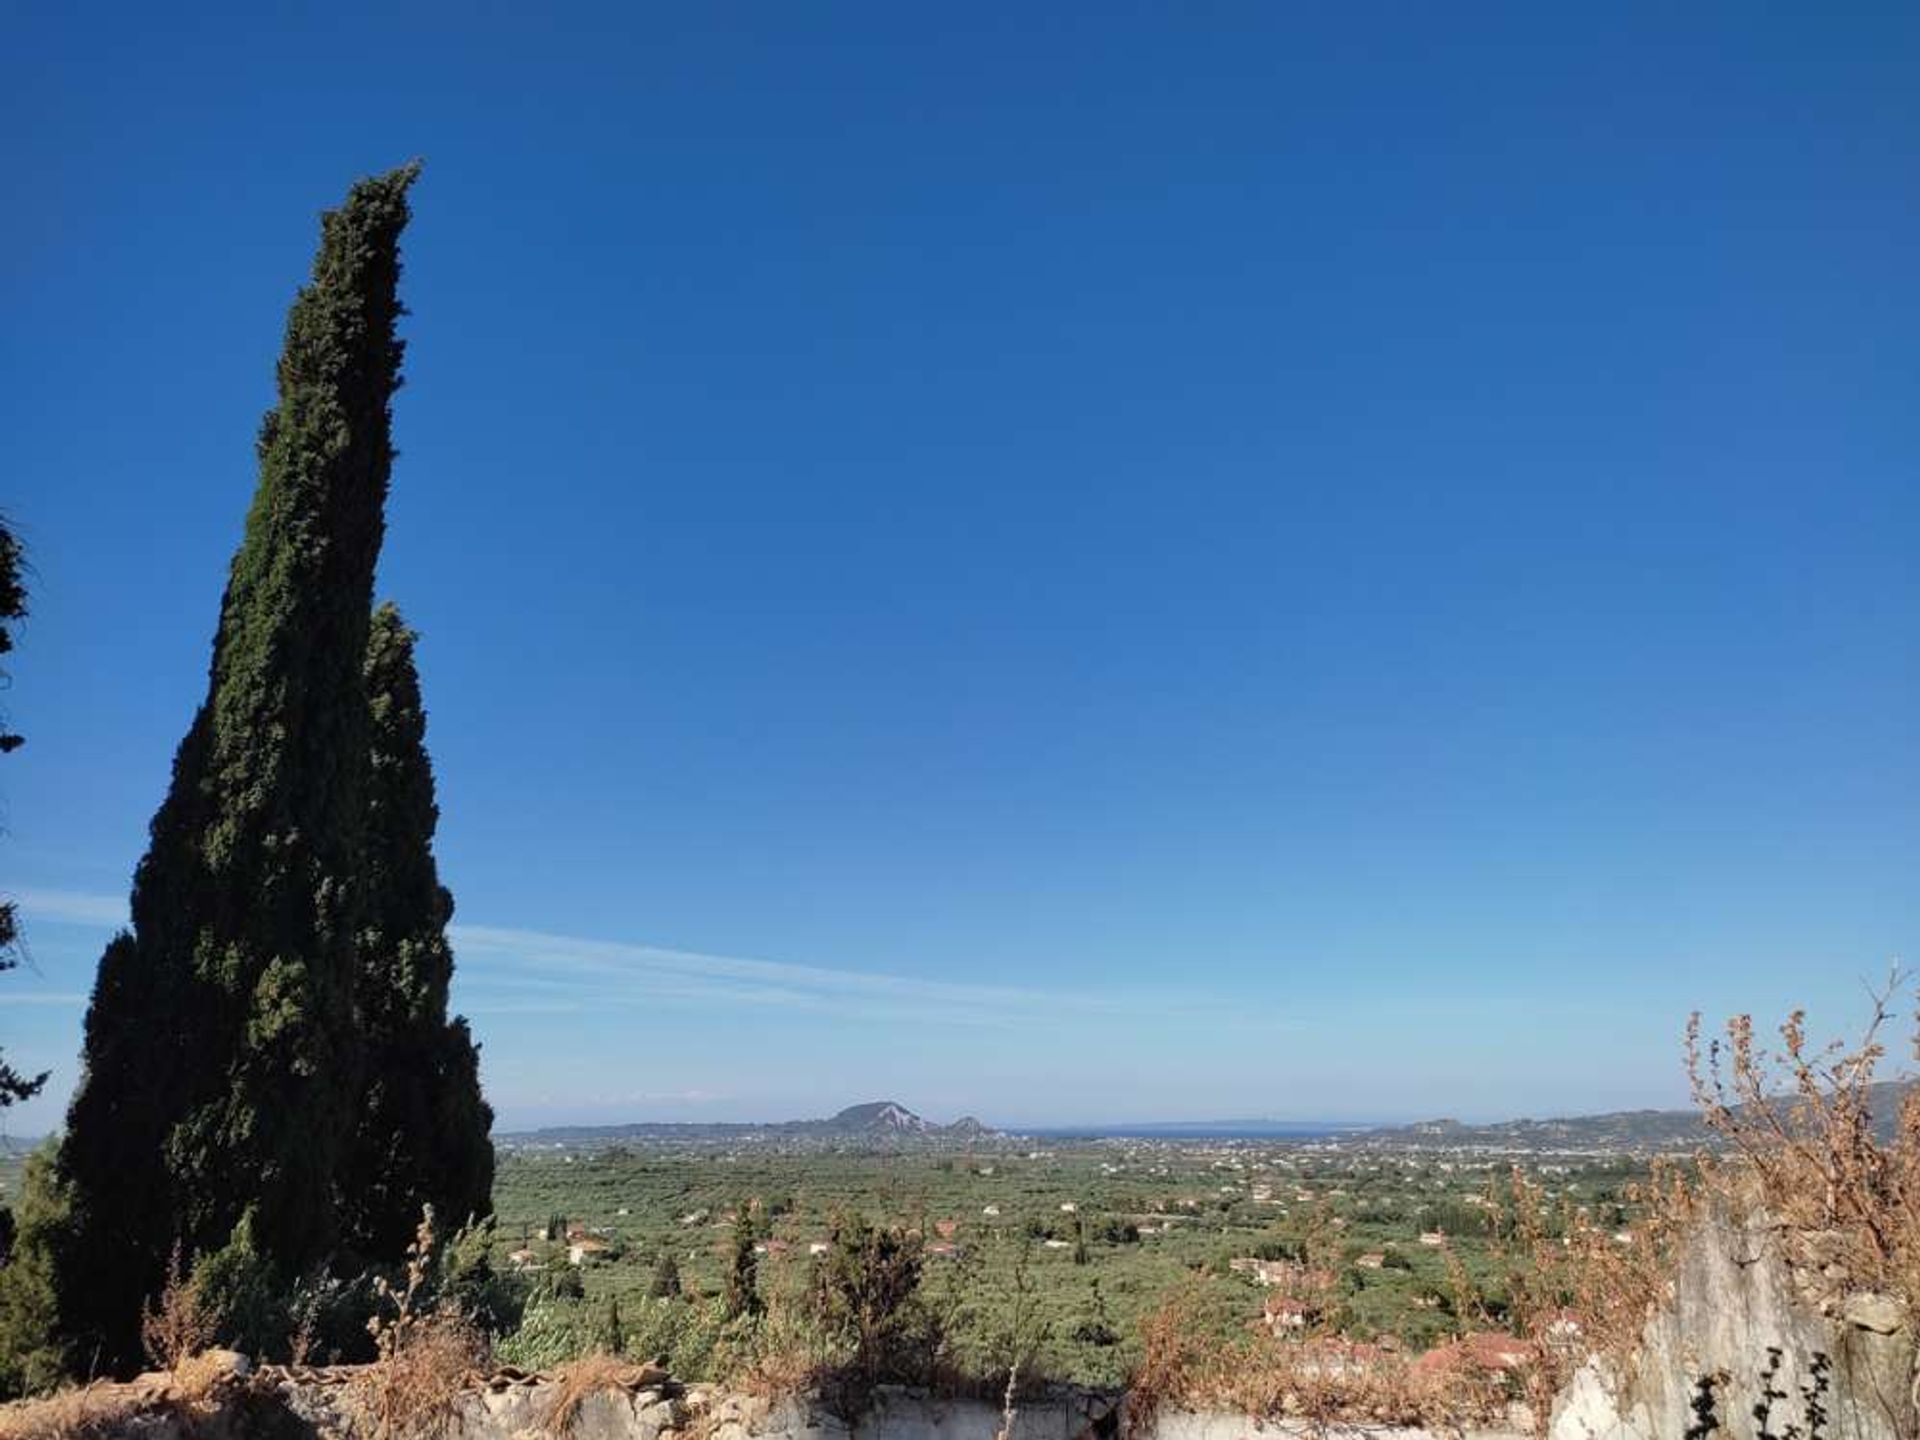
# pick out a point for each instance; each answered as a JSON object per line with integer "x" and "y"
{"x": 1275, "y": 1272}
{"x": 579, "y": 1251}
{"x": 1284, "y": 1312}
{"x": 1483, "y": 1351}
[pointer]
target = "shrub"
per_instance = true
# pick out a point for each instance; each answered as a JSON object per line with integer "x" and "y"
{"x": 864, "y": 1297}
{"x": 550, "y": 1333}
{"x": 665, "y": 1284}
{"x": 1800, "y": 1128}
{"x": 427, "y": 1352}
{"x": 1322, "y": 1378}
{"x": 180, "y": 1324}
{"x": 580, "y": 1380}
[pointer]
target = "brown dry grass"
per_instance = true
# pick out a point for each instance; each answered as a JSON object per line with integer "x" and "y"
{"x": 180, "y": 1324}
{"x": 195, "y": 1388}
{"x": 414, "y": 1389}
{"x": 427, "y": 1358}
{"x": 783, "y": 1353}
{"x": 1325, "y": 1379}
{"x": 198, "y": 1379}
{"x": 91, "y": 1412}
{"x": 590, "y": 1375}
{"x": 1799, "y": 1126}
{"x": 1574, "y": 1288}
{"x": 1799, "y": 1156}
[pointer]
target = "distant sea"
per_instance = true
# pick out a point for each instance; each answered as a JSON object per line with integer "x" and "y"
{"x": 1201, "y": 1130}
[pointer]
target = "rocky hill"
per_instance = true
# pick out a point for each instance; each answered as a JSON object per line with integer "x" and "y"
{"x": 1616, "y": 1132}
{"x": 880, "y": 1124}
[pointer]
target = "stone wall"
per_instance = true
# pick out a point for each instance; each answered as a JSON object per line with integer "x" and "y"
{"x": 1734, "y": 1331}
{"x": 1735, "y": 1338}
{"x": 316, "y": 1405}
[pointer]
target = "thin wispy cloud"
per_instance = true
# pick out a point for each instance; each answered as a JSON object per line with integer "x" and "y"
{"x": 73, "y": 907}
{"x": 507, "y": 971}
{"x": 612, "y": 973}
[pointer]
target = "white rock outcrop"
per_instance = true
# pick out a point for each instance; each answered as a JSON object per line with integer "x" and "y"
{"x": 1736, "y": 1337}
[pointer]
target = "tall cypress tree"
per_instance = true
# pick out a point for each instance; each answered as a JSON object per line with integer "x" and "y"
{"x": 220, "y": 1064}
{"x": 422, "y": 1131}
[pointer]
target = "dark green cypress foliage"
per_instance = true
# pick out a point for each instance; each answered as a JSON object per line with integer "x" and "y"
{"x": 422, "y": 1135}
{"x": 220, "y": 1063}
{"x": 743, "y": 1267}
{"x": 665, "y": 1284}
{"x": 613, "y": 1334}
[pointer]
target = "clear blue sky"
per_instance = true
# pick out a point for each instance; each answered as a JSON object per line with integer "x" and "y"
{"x": 1067, "y": 563}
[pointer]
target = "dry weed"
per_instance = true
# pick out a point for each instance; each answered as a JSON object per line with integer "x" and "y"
{"x": 91, "y": 1412}
{"x": 427, "y": 1358}
{"x": 1798, "y": 1123}
{"x": 782, "y": 1353}
{"x": 590, "y": 1375}
{"x": 1323, "y": 1378}
{"x": 414, "y": 1389}
{"x": 180, "y": 1325}
{"x": 1577, "y": 1287}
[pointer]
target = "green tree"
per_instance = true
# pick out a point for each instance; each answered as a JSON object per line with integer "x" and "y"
{"x": 31, "y": 1359}
{"x": 665, "y": 1284}
{"x": 865, "y": 1294}
{"x": 743, "y": 1268}
{"x": 14, "y": 1086}
{"x": 421, "y": 1135}
{"x": 613, "y": 1335}
{"x": 220, "y": 1061}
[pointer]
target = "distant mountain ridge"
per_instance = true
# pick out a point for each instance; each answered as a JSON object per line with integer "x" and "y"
{"x": 887, "y": 1124}
{"x": 885, "y": 1117}
{"x": 876, "y": 1122}
{"x": 1618, "y": 1130}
